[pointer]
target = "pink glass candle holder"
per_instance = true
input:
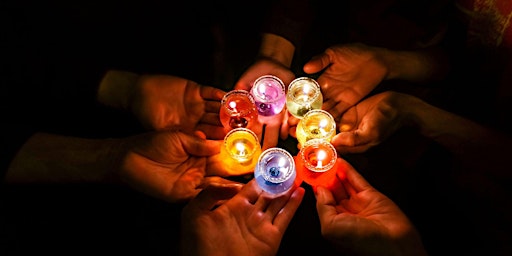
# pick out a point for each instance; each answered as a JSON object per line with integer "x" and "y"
{"x": 316, "y": 124}
{"x": 238, "y": 110}
{"x": 269, "y": 95}
{"x": 303, "y": 95}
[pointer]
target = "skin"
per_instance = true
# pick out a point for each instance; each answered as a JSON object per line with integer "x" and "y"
{"x": 230, "y": 221}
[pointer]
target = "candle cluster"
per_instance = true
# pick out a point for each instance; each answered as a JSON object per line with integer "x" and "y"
{"x": 275, "y": 170}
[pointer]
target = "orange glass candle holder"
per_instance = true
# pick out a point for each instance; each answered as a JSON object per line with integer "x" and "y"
{"x": 316, "y": 163}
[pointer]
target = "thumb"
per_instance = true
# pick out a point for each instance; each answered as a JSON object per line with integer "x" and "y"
{"x": 316, "y": 64}
{"x": 198, "y": 146}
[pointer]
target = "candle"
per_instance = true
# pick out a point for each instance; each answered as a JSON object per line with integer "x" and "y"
{"x": 303, "y": 95}
{"x": 316, "y": 124}
{"x": 316, "y": 163}
{"x": 269, "y": 95}
{"x": 275, "y": 171}
{"x": 238, "y": 110}
{"x": 241, "y": 144}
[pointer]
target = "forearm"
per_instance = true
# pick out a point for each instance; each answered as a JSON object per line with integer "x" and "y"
{"x": 277, "y": 48}
{"x": 47, "y": 158}
{"x": 116, "y": 88}
{"x": 475, "y": 145}
{"x": 415, "y": 66}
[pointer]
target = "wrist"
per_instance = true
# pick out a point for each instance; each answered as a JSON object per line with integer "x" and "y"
{"x": 116, "y": 88}
{"x": 277, "y": 48}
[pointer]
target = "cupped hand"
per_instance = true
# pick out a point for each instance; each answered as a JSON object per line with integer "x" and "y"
{"x": 349, "y": 73}
{"x": 168, "y": 102}
{"x": 226, "y": 221}
{"x": 372, "y": 121}
{"x": 359, "y": 220}
{"x": 275, "y": 127}
{"x": 169, "y": 165}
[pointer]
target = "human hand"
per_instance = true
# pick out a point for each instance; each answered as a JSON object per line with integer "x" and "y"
{"x": 359, "y": 220}
{"x": 169, "y": 102}
{"x": 372, "y": 121}
{"x": 169, "y": 165}
{"x": 275, "y": 126}
{"x": 350, "y": 72}
{"x": 222, "y": 220}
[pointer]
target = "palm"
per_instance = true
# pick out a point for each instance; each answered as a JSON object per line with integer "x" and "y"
{"x": 168, "y": 102}
{"x": 353, "y": 72}
{"x": 161, "y": 165}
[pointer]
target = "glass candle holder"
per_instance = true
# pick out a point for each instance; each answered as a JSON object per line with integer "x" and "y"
{"x": 269, "y": 95}
{"x": 275, "y": 171}
{"x": 316, "y": 124}
{"x": 316, "y": 163}
{"x": 241, "y": 144}
{"x": 303, "y": 95}
{"x": 238, "y": 110}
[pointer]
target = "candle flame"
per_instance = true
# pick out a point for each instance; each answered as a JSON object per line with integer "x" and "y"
{"x": 320, "y": 157}
{"x": 241, "y": 148}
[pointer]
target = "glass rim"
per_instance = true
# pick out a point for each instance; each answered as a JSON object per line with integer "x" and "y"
{"x": 272, "y": 77}
{"x": 280, "y": 151}
{"x": 295, "y": 82}
{"x": 315, "y": 143}
{"x": 238, "y": 92}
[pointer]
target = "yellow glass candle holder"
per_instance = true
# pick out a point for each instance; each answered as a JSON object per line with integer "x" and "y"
{"x": 316, "y": 124}
{"x": 241, "y": 150}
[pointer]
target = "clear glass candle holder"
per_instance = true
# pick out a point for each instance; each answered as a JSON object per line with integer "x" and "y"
{"x": 303, "y": 95}
{"x": 241, "y": 144}
{"x": 269, "y": 95}
{"x": 317, "y": 160}
{"x": 238, "y": 110}
{"x": 275, "y": 171}
{"x": 316, "y": 124}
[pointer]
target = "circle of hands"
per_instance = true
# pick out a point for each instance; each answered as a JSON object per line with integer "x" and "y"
{"x": 177, "y": 159}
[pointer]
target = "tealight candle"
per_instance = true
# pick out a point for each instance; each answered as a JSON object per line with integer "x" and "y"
{"x": 241, "y": 144}
{"x": 303, "y": 95}
{"x": 275, "y": 171}
{"x": 316, "y": 162}
{"x": 316, "y": 124}
{"x": 238, "y": 110}
{"x": 269, "y": 95}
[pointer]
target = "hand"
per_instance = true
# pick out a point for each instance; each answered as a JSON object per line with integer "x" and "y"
{"x": 276, "y": 126}
{"x": 221, "y": 221}
{"x": 168, "y": 102}
{"x": 169, "y": 165}
{"x": 372, "y": 121}
{"x": 359, "y": 220}
{"x": 350, "y": 72}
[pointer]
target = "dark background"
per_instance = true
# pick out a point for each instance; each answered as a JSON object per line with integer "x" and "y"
{"x": 53, "y": 55}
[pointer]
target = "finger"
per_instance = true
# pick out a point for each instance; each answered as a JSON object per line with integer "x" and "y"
{"x": 198, "y": 146}
{"x": 349, "y": 119}
{"x": 212, "y": 106}
{"x": 284, "y": 126}
{"x": 212, "y": 132}
{"x": 216, "y": 181}
{"x": 285, "y": 215}
{"x": 353, "y": 178}
{"x": 210, "y": 197}
{"x": 271, "y": 136}
{"x": 316, "y": 64}
{"x": 251, "y": 192}
{"x": 325, "y": 205}
{"x": 211, "y": 93}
